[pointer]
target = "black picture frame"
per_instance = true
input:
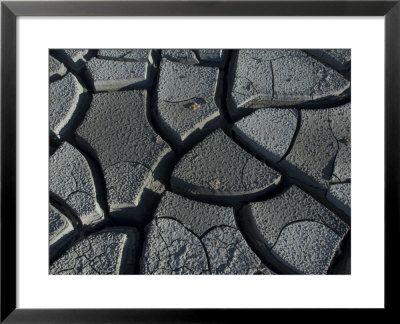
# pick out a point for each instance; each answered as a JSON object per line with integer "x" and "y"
{"x": 10, "y": 10}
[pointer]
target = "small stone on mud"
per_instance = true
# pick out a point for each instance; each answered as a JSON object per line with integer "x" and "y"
{"x": 215, "y": 184}
{"x": 194, "y": 106}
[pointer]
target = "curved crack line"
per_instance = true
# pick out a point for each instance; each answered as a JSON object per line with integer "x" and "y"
{"x": 192, "y": 232}
{"x": 242, "y": 175}
{"x": 214, "y": 227}
{"x": 165, "y": 242}
{"x": 296, "y": 132}
{"x": 256, "y": 242}
{"x": 130, "y": 162}
{"x": 305, "y": 220}
{"x": 60, "y": 272}
{"x": 312, "y": 190}
{"x": 242, "y": 172}
{"x": 200, "y": 96}
{"x": 90, "y": 261}
{"x": 78, "y": 191}
{"x": 337, "y": 146}
{"x": 200, "y": 237}
{"x": 62, "y": 206}
{"x": 269, "y": 60}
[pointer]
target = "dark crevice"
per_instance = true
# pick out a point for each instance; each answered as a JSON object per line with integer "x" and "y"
{"x": 341, "y": 262}
{"x": 83, "y": 231}
{"x": 156, "y": 56}
{"x": 203, "y": 199}
{"x": 55, "y": 77}
{"x": 132, "y": 253}
{"x": 226, "y": 102}
{"x": 220, "y": 198}
{"x": 53, "y": 146}
{"x": 277, "y": 191}
{"x": 328, "y": 169}
{"x": 288, "y": 180}
{"x": 59, "y": 204}
{"x": 145, "y": 207}
{"x": 67, "y": 132}
{"x": 151, "y": 110}
{"x": 333, "y": 182}
{"x": 138, "y": 216}
{"x": 180, "y": 147}
{"x": 196, "y": 54}
{"x": 225, "y": 89}
{"x": 80, "y": 112}
{"x": 78, "y": 69}
{"x": 139, "y": 254}
{"x": 129, "y": 263}
{"x": 65, "y": 209}
{"x": 98, "y": 177}
{"x": 320, "y": 196}
{"x": 150, "y": 199}
{"x": 152, "y": 106}
{"x": 255, "y": 241}
{"x": 209, "y": 63}
{"x": 319, "y": 56}
{"x": 323, "y": 103}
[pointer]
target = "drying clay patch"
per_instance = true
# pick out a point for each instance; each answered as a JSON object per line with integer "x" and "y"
{"x": 199, "y": 161}
{"x": 271, "y": 78}
{"x": 218, "y": 168}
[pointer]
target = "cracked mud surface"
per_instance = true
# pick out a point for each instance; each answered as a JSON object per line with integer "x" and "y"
{"x": 202, "y": 161}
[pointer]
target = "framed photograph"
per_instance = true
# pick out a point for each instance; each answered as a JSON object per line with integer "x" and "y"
{"x": 202, "y": 151}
